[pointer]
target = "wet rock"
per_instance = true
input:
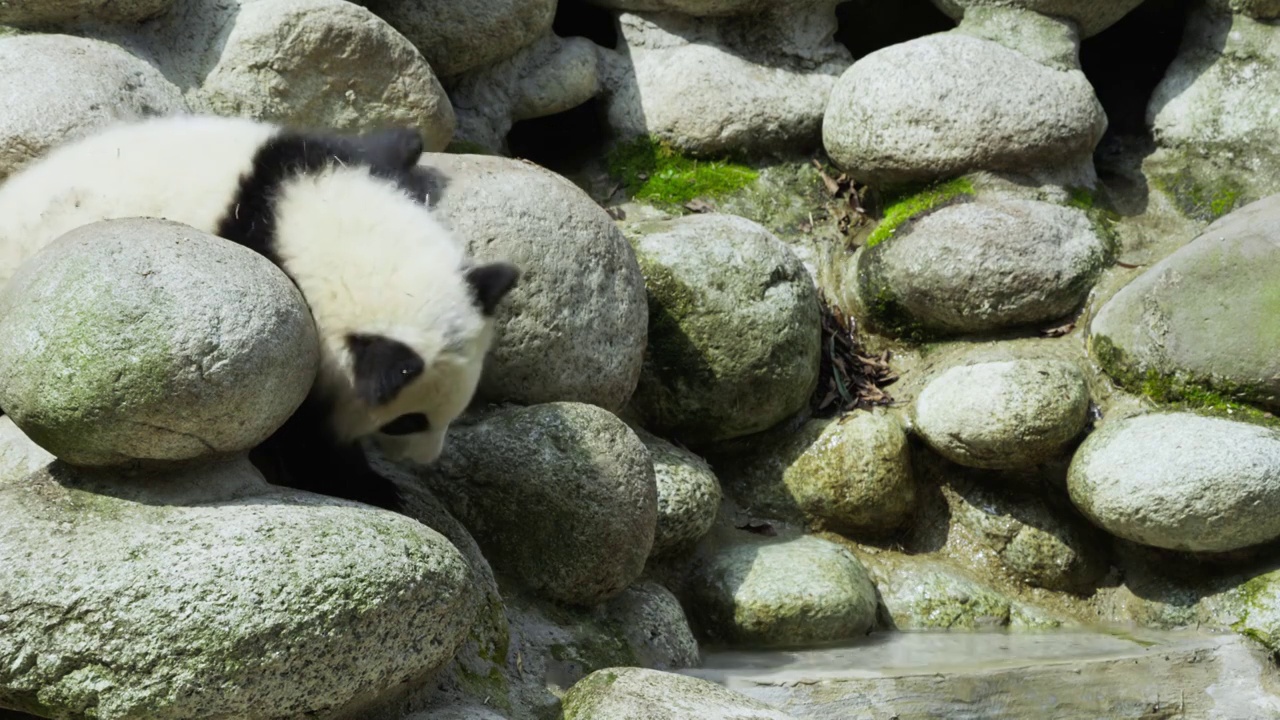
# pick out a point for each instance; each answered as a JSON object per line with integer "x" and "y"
{"x": 688, "y": 495}
{"x": 211, "y": 593}
{"x": 141, "y": 340}
{"x": 1092, "y": 16}
{"x": 574, "y": 328}
{"x": 58, "y": 87}
{"x": 780, "y": 593}
{"x": 947, "y": 104}
{"x": 277, "y": 63}
{"x": 1003, "y": 415}
{"x": 1205, "y": 314}
{"x": 562, "y": 496}
{"x": 850, "y": 475}
{"x": 981, "y": 266}
{"x": 734, "y": 329}
{"x": 1181, "y": 481}
{"x": 638, "y": 692}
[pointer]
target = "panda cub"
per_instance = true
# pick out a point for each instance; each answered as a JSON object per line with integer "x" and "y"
{"x": 404, "y": 318}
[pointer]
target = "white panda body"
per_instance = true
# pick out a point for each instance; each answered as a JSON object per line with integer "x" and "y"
{"x": 403, "y": 317}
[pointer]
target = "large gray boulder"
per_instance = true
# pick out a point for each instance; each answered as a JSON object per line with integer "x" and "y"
{"x": 734, "y": 328}
{"x": 208, "y": 593}
{"x": 1181, "y": 481}
{"x": 560, "y": 496}
{"x": 1206, "y": 314}
{"x": 574, "y": 328}
{"x": 140, "y": 340}
{"x": 1003, "y": 415}
{"x": 459, "y": 36}
{"x": 776, "y": 592}
{"x": 981, "y": 266}
{"x": 654, "y": 695}
{"x": 947, "y": 104}
{"x": 1092, "y": 16}
{"x": 277, "y": 61}
{"x": 721, "y": 85}
{"x": 59, "y": 87}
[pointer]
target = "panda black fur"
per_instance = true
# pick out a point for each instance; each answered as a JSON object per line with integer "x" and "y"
{"x": 404, "y": 318}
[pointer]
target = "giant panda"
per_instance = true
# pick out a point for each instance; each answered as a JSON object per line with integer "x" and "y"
{"x": 404, "y": 318}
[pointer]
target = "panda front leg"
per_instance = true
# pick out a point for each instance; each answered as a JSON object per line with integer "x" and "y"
{"x": 308, "y": 457}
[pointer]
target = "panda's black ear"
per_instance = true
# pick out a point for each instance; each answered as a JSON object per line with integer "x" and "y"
{"x": 382, "y": 367}
{"x": 392, "y": 150}
{"x": 491, "y": 283}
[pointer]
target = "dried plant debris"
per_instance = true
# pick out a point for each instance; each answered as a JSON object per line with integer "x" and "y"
{"x": 848, "y": 378}
{"x": 846, "y": 207}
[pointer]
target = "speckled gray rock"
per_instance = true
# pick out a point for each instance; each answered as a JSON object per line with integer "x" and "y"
{"x": 277, "y": 62}
{"x": 58, "y": 87}
{"x": 688, "y": 495}
{"x": 1003, "y": 415}
{"x": 1039, "y": 544}
{"x": 779, "y": 592}
{"x": 719, "y": 85}
{"x": 211, "y": 594}
{"x": 692, "y": 8}
{"x": 46, "y": 13}
{"x": 1049, "y": 40}
{"x": 850, "y": 475}
{"x": 1093, "y": 16}
{"x": 19, "y": 456}
{"x": 1207, "y": 313}
{"x": 1257, "y": 9}
{"x": 654, "y": 627}
{"x": 1181, "y": 481}
{"x": 141, "y": 340}
{"x": 734, "y": 328}
{"x": 574, "y": 328}
{"x": 560, "y": 495}
{"x": 460, "y": 36}
{"x": 654, "y": 695}
{"x": 981, "y": 266}
{"x": 949, "y": 103}
{"x": 1211, "y": 115}
{"x": 923, "y": 594}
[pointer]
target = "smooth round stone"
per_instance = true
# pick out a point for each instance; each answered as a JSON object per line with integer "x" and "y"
{"x": 1092, "y": 16}
{"x": 781, "y": 593}
{"x": 574, "y": 328}
{"x": 277, "y": 62}
{"x": 561, "y": 496}
{"x": 59, "y": 87}
{"x": 461, "y": 35}
{"x": 1181, "y": 481}
{"x": 1003, "y": 415}
{"x": 141, "y": 340}
{"x": 947, "y": 104}
{"x": 982, "y": 266}
{"x": 734, "y": 328}
{"x": 688, "y": 495}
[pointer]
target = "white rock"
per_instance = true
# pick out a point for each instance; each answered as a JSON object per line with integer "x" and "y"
{"x": 461, "y": 35}
{"x": 1093, "y": 16}
{"x": 211, "y": 594}
{"x": 947, "y": 104}
{"x": 19, "y": 456}
{"x": 981, "y": 266}
{"x": 58, "y": 87}
{"x": 1003, "y": 415}
{"x": 574, "y": 328}
{"x": 653, "y": 695}
{"x": 139, "y": 340}
{"x": 1181, "y": 481}
{"x": 280, "y": 61}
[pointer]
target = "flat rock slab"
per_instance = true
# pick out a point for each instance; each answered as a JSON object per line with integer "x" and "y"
{"x": 993, "y": 676}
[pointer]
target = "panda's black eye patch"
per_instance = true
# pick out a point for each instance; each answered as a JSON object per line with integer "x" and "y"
{"x": 406, "y": 425}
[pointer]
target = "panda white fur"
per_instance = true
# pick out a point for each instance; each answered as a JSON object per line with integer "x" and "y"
{"x": 404, "y": 318}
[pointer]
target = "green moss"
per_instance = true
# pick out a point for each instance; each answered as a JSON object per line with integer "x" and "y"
{"x": 908, "y": 202}
{"x": 655, "y": 171}
{"x": 1200, "y": 200}
{"x": 1179, "y": 392}
{"x": 1104, "y": 218}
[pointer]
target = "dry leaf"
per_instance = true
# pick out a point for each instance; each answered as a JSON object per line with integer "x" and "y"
{"x": 699, "y": 205}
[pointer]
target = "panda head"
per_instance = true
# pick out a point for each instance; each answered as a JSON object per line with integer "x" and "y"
{"x": 410, "y": 385}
